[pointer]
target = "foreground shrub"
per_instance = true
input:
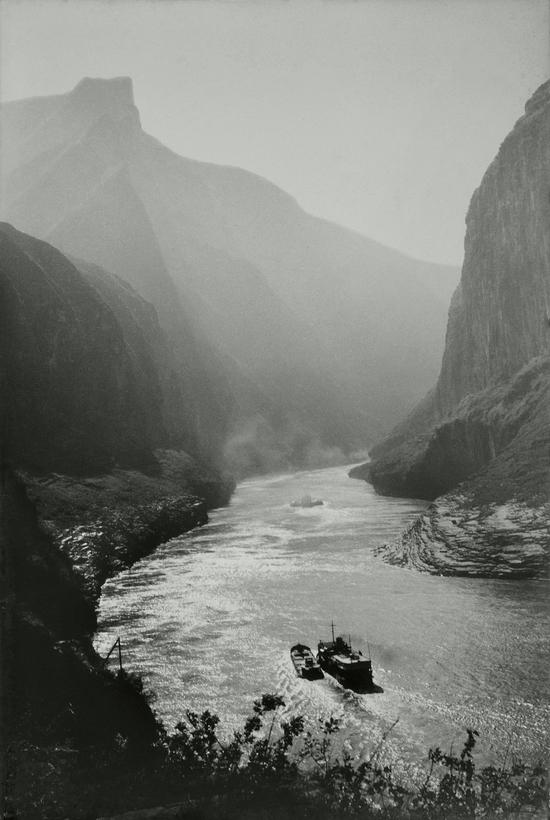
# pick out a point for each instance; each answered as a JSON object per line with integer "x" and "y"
{"x": 314, "y": 769}
{"x": 273, "y": 767}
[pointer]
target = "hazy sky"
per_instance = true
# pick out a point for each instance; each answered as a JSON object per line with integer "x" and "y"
{"x": 379, "y": 114}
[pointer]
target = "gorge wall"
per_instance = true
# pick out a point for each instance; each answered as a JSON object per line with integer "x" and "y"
{"x": 479, "y": 443}
{"x": 293, "y": 339}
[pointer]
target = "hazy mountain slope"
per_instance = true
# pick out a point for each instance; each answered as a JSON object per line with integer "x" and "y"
{"x": 84, "y": 394}
{"x": 377, "y": 317}
{"x": 112, "y": 227}
{"x": 78, "y": 394}
{"x": 84, "y": 203}
{"x": 335, "y": 332}
{"x": 41, "y": 125}
{"x": 487, "y": 422}
{"x": 19, "y": 118}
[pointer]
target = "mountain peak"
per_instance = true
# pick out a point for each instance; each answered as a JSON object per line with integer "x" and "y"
{"x": 111, "y": 92}
{"x": 97, "y": 98}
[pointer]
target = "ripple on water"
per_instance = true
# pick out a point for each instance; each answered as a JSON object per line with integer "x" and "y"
{"x": 210, "y": 617}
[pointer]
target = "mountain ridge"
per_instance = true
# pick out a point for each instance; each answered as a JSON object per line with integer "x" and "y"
{"x": 367, "y": 321}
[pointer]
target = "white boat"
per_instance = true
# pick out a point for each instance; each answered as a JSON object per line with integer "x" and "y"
{"x": 307, "y": 501}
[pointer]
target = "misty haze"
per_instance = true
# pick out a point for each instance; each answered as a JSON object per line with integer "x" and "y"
{"x": 275, "y": 362}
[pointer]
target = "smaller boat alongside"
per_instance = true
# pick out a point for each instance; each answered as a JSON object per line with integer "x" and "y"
{"x": 304, "y": 662}
{"x": 307, "y": 501}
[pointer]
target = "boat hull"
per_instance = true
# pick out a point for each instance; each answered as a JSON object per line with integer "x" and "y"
{"x": 304, "y": 663}
{"x": 349, "y": 667}
{"x": 312, "y": 674}
{"x": 357, "y": 682}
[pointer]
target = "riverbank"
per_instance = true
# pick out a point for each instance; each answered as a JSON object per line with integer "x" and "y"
{"x": 105, "y": 523}
{"x": 489, "y": 518}
{"x": 63, "y": 536}
{"x": 458, "y": 537}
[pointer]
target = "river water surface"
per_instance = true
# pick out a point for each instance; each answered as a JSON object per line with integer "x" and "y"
{"x": 208, "y": 620}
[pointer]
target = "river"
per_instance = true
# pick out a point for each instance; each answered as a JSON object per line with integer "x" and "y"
{"x": 208, "y": 620}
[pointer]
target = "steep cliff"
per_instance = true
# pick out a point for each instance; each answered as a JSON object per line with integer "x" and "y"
{"x": 485, "y": 427}
{"x": 311, "y": 335}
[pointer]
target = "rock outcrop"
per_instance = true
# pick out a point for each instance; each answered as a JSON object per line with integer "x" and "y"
{"x": 481, "y": 438}
{"x": 285, "y": 328}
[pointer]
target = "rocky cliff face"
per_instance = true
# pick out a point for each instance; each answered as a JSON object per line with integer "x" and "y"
{"x": 485, "y": 427}
{"x": 499, "y": 317}
{"x": 285, "y": 328}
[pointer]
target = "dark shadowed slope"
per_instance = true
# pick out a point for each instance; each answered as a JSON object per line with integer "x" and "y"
{"x": 79, "y": 391}
{"x": 85, "y": 387}
{"x": 487, "y": 422}
{"x": 304, "y": 314}
{"x": 375, "y": 317}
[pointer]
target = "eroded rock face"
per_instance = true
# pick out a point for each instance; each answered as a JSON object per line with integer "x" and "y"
{"x": 457, "y": 537}
{"x": 485, "y": 425}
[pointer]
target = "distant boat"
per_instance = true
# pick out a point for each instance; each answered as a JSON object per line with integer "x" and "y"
{"x": 304, "y": 662}
{"x": 349, "y": 666}
{"x": 307, "y": 501}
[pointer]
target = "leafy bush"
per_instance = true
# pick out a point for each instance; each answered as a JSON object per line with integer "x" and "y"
{"x": 271, "y": 753}
{"x": 271, "y": 768}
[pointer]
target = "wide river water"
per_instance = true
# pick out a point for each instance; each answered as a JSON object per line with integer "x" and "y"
{"x": 208, "y": 620}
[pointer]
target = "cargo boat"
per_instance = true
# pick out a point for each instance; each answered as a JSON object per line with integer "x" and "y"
{"x": 304, "y": 662}
{"x": 349, "y": 666}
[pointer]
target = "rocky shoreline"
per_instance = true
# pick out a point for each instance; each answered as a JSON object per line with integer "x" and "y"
{"x": 105, "y": 547}
{"x": 457, "y": 537}
{"x": 104, "y": 524}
